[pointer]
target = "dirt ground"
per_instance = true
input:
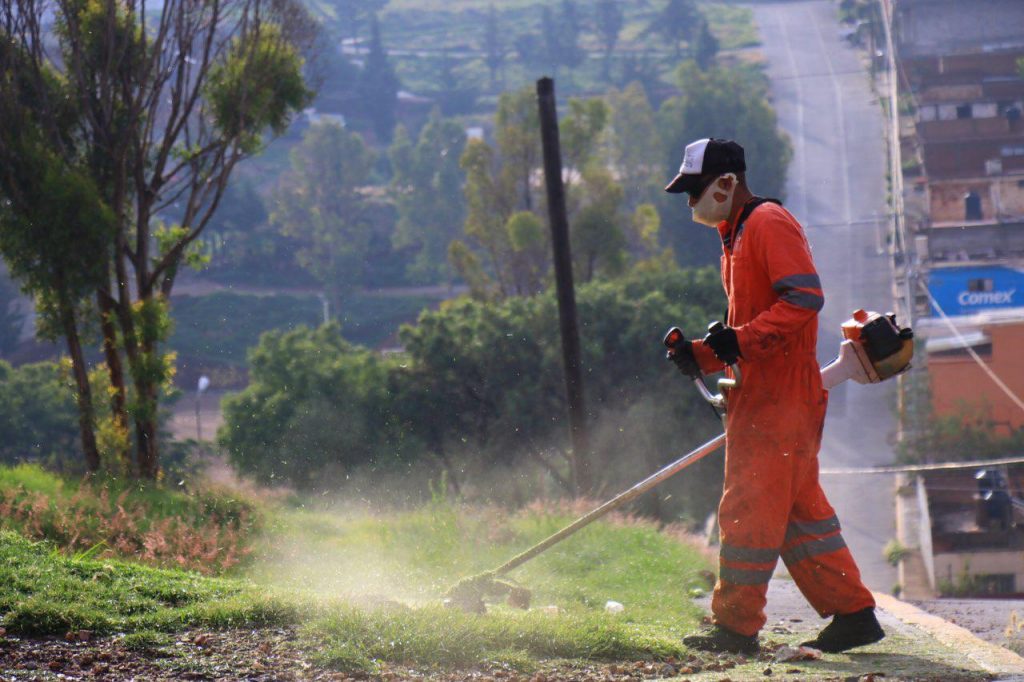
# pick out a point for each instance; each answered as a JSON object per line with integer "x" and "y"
{"x": 998, "y": 621}
{"x": 273, "y": 654}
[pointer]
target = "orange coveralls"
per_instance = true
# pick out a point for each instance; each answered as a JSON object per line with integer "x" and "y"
{"x": 772, "y": 504}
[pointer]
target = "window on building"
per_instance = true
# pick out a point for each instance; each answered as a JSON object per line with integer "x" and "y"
{"x": 1012, "y": 151}
{"x": 963, "y": 111}
{"x": 972, "y": 206}
{"x": 980, "y": 284}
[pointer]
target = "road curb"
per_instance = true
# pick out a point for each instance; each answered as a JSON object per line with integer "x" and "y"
{"x": 993, "y": 659}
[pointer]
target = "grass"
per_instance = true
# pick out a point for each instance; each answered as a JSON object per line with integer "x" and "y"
{"x": 207, "y": 530}
{"x": 43, "y": 592}
{"x": 364, "y": 588}
{"x": 389, "y": 562}
{"x": 361, "y": 589}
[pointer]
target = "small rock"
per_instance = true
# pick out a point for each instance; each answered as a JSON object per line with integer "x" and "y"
{"x": 54, "y": 665}
{"x": 201, "y": 639}
{"x": 791, "y": 671}
{"x": 667, "y": 670}
{"x": 70, "y": 636}
{"x": 614, "y": 607}
{"x": 767, "y": 672}
{"x": 84, "y": 635}
{"x": 3, "y": 632}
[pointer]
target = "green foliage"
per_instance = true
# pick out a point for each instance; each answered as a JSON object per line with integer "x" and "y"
{"x": 55, "y": 228}
{"x": 705, "y": 46}
{"x": 483, "y": 382}
{"x": 580, "y": 132}
{"x": 318, "y": 203}
{"x": 218, "y": 329}
{"x": 495, "y": 45}
{"x": 427, "y": 187}
{"x": 698, "y": 112}
{"x": 675, "y": 22}
{"x": 634, "y": 143}
{"x": 894, "y": 552}
{"x": 196, "y": 255}
{"x": 11, "y": 319}
{"x": 315, "y": 405}
{"x": 598, "y": 240}
{"x": 257, "y": 86}
{"x": 968, "y": 434}
{"x": 37, "y": 416}
{"x": 378, "y": 86}
{"x": 610, "y": 20}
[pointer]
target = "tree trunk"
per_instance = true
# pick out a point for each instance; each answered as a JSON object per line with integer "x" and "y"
{"x": 84, "y": 392}
{"x": 147, "y": 453}
{"x": 118, "y": 400}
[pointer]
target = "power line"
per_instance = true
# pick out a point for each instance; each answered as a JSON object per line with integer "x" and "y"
{"x": 910, "y": 468}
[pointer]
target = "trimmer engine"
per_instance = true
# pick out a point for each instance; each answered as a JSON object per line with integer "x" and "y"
{"x": 874, "y": 349}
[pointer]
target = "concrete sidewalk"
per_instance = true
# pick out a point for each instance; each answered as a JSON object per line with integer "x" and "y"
{"x": 918, "y": 646}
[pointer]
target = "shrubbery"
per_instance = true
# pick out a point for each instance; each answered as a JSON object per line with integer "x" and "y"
{"x": 38, "y": 416}
{"x": 207, "y": 532}
{"x": 480, "y": 388}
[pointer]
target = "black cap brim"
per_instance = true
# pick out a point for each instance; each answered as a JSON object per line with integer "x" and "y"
{"x": 684, "y": 182}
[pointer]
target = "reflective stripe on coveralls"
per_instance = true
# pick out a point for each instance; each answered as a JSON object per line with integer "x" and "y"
{"x": 772, "y": 504}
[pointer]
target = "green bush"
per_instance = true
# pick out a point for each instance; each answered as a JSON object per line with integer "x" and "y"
{"x": 481, "y": 385}
{"x": 38, "y": 419}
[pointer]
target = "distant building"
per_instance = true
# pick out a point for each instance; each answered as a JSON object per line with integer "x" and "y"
{"x": 971, "y": 525}
{"x": 311, "y": 116}
{"x": 959, "y": 386}
{"x": 945, "y": 27}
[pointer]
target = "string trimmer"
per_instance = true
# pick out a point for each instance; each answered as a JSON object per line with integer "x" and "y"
{"x": 873, "y": 349}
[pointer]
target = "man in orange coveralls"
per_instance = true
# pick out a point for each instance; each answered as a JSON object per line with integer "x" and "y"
{"x": 772, "y": 504}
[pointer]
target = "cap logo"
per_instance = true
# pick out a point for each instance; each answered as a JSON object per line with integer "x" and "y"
{"x": 693, "y": 157}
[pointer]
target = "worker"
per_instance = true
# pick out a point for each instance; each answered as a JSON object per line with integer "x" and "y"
{"x": 772, "y": 504}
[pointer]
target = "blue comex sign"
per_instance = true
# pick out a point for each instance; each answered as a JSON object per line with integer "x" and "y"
{"x": 963, "y": 291}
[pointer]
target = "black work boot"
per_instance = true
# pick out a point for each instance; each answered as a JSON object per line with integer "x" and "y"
{"x": 848, "y": 631}
{"x": 717, "y": 638}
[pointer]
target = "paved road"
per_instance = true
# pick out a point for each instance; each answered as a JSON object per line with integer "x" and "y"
{"x": 837, "y": 188}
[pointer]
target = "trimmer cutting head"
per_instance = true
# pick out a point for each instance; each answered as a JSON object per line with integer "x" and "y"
{"x": 468, "y": 594}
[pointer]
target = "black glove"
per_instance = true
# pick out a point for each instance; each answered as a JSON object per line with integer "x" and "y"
{"x": 723, "y": 342}
{"x": 681, "y": 353}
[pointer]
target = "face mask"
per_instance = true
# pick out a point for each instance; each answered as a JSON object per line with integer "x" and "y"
{"x": 707, "y": 210}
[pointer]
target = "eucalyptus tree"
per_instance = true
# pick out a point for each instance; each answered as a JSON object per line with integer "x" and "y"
{"x": 145, "y": 109}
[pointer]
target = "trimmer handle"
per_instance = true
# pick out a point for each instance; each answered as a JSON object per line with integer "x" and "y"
{"x": 674, "y": 341}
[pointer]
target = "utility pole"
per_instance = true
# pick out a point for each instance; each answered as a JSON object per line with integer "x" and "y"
{"x": 564, "y": 285}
